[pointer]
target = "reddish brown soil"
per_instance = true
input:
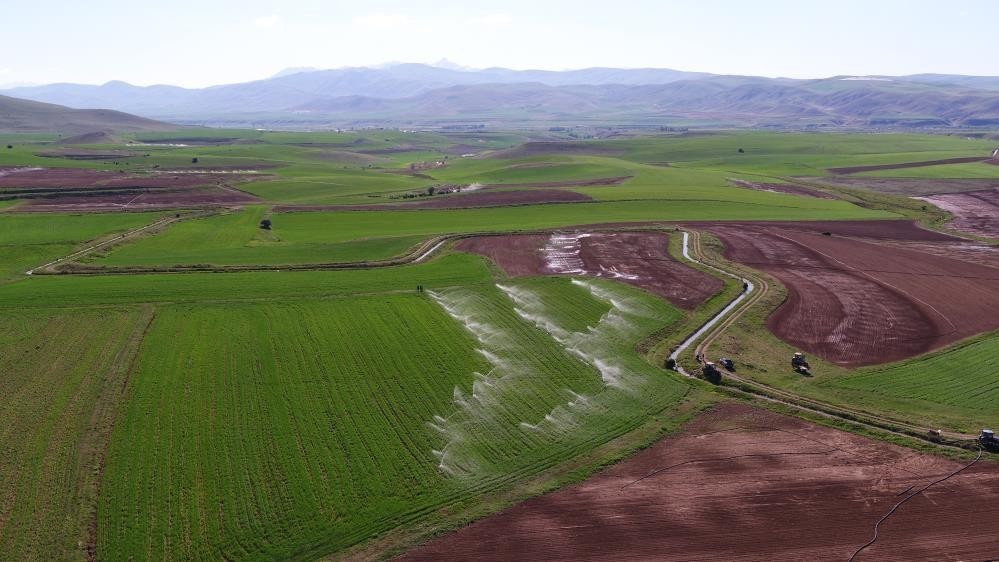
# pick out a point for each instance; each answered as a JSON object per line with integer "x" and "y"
{"x": 856, "y": 302}
{"x": 745, "y": 484}
{"x": 158, "y": 199}
{"x": 636, "y": 258}
{"x": 69, "y": 189}
{"x": 519, "y": 255}
{"x": 973, "y": 252}
{"x": 859, "y": 169}
{"x": 459, "y": 201}
{"x": 975, "y": 212}
{"x": 873, "y": 229}
{"x": 617, "y": 180}
{"x": 783, "y": 188}
{"x": 76, "y": 178}
{"x": 912, "y": 187}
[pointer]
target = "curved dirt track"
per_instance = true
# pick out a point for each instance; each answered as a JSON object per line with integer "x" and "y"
{"x": 856, "y": 302}
{"x": 637, "y": 258}
{"x": 746, "y": 484}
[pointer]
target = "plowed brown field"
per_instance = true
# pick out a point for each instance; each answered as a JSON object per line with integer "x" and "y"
{"x": 71, "y": 189}
{"x": 975, "y": 212}
{"x": 745, "y": 484}
{"x": 636, "y": 258}
{"x": 856, "y": 302}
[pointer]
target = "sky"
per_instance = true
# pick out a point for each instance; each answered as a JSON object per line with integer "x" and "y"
{"x": 197, "y": 43}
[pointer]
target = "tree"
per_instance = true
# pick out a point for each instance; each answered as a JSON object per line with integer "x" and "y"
{"x": 194, "y": 160}
{"x": 265, "y": 224}
{"x": 9, "y": 146}
{"x": 431, "y": 190}
{"x": 741, "y": 151}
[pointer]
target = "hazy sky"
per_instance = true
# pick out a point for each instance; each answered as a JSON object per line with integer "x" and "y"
{"x": 203, "y": 42}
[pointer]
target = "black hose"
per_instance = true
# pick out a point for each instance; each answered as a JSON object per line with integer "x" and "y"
{"x": 909, "y": 497}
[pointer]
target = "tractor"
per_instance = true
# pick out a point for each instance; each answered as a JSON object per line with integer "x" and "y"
{"x": 711, "y": 373}
{"x": 800, "y": 364}
{"x": 988, "y": 440}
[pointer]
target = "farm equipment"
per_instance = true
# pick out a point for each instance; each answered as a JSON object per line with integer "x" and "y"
{"x": 800, "y": 364}
{"x": 988, "y": 440}
{"x": 728, "y": 364}
{"x": 711, "y": 373}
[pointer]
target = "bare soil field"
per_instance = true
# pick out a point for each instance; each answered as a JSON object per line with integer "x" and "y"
{"x": 69, "y": 189}
{"x": 73, "y": 178}
{"x": 636, "y": 258}
{"x": 782, "y": 188}
{"x": 975, "y": 212}
{"x": 617, "y": 180}
{"x": 458, "y": 201}
{"x": 973, "y": 252}
{"x": 873, "y": 229}
{"x": 857, "y": 302}
{"x": 142, "y": 200}
{"x": 860, "y": 169}
{"x": 741, "y": 483}
{"x": 911, "y": 187}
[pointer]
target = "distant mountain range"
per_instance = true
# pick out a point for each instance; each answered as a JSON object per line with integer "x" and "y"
{"x": 18, "y": 115}
{"x": 423, "y": 95}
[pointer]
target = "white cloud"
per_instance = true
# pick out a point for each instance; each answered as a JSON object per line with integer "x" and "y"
{"x": 383, "y": 20}
{"x": 266, "y": 22}
{"x": 491, "y": 20}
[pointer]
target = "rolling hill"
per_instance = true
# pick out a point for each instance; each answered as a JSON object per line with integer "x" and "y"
{"x": 422, "y": 95}
{"x": 18, "y": 115}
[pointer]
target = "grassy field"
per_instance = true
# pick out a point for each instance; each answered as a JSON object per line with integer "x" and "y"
{"x": 356, "y": 415}
{"x": 96, "y": 290}
{"x": 62, "y": 373}
{"x": 318, "y": 237}
{"x": 294, "y": 414}
{"x": 236, "y": 238}
{"x": 958, "y": 384}
{"x": 28, "y": 240}
{"x": 957, "y": 171}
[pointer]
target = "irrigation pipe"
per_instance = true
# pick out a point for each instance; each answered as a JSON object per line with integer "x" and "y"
{"x": 909, "y": 497}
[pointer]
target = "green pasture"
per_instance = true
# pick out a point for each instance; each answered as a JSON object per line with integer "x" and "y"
{"x": 29, "y": 240}
{"x": 355, "y": 415}
{"x": 316, "y": 237}
{"x": 958, "y": 386}
{"x": 62, "y": 373}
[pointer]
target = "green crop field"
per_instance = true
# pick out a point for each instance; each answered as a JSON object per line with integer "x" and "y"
{"x": 261, "y": 415}
{"x": 236, "y": 238}
{"x": 29, "y": 240}
{"x": 62, "y": 372}
{"x": 320, "y": 237}
{"x": 957, "y": 384}
{"x": 356, "y": 414}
